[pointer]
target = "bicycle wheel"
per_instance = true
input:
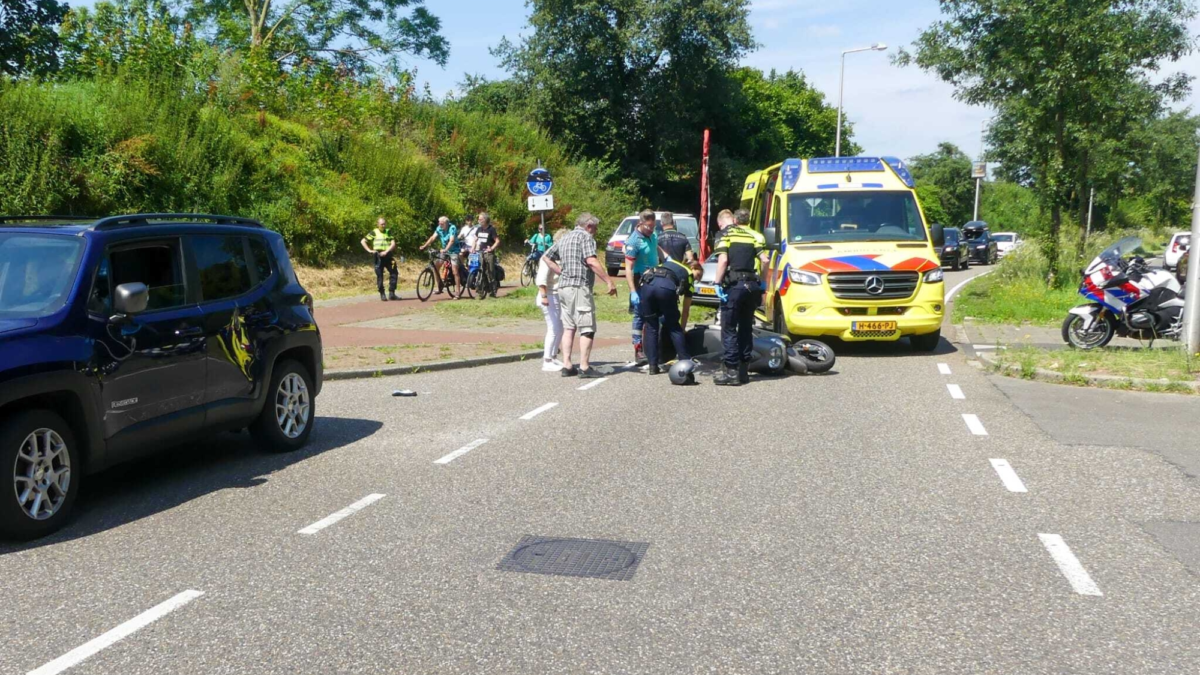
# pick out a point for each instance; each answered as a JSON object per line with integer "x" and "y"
{"x": 528, "y": 272}
{"x": 472, "y": 283}
{"x": 425, "y": 284}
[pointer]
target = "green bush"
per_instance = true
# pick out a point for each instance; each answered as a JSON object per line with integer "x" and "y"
{"x": 125, "y": 144}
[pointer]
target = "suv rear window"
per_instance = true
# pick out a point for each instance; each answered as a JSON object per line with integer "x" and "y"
{"x": 262, "y": 259}
{"x": 222, "y": 266}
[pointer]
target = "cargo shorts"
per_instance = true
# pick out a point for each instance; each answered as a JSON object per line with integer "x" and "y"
{"x": 578, "y": 308}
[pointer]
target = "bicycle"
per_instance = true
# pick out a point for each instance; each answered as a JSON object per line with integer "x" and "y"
{"x": 440, "y": 271}
{"x": 529, "y": 269}
{"x": 474, "y": 273}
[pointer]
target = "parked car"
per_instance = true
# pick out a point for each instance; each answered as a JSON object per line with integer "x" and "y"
{"x": 706, "y": 289}
{"x": 128, "y": 334}
{"x": 955, "y": 253}
{"x": 1006, "y": 242}
{"x": 979, "y": 239}
{"x": 614, "y": 252}
{"x": 1176, "y": 248}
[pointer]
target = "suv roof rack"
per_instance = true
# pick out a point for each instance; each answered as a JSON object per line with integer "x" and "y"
{"x": 42, "y": 219}
{"x": 142, "y": 219}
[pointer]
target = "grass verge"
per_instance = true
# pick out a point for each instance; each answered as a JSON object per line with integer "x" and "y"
{"x": 1172, "y": 365}
{"x": 996, "y": 300}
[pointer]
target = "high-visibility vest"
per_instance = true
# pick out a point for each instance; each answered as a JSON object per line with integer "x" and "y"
{"x": 381, "y": 240}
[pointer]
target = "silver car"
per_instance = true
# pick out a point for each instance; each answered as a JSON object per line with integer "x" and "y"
{"x": 706, "y": 290}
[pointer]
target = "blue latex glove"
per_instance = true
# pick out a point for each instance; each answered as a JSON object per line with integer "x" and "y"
{"x": 724, "y": 297}
{"x": 633, "y": 297}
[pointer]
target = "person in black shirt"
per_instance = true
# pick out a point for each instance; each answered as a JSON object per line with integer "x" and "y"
{"x": 675, "y": 243}
{"x": 487, "y": 240}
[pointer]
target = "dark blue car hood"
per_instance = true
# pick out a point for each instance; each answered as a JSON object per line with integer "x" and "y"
{"x": 7, "y": 325}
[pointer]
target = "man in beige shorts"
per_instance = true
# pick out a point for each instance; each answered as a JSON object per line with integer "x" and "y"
{"x": 574, "y": 258}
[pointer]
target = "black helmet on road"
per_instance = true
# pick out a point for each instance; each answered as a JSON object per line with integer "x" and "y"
{"x": 683, "y": 372}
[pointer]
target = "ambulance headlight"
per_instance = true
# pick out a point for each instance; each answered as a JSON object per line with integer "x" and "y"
{"x": 805, "y": 278}
{"x": 933, "y": 276}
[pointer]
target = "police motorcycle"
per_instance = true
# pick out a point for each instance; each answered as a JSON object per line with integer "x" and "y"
{"x": 1128, "y": 298}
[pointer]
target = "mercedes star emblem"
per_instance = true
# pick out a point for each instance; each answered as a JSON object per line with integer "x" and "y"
{"x": 874, "y": 285}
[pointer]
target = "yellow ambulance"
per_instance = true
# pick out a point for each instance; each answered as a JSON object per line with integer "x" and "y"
{"x": 851, "y": 254}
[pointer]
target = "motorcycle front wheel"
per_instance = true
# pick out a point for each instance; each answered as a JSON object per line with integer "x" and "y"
{"x": 1074, "y": 334}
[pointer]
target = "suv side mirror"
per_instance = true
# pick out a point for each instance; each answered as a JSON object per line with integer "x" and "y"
{"x": 771, "y": 233}
{"x": 130, "y": 299}
{"x": 938, "y": 233}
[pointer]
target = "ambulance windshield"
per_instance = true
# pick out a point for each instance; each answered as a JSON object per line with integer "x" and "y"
{"x": 854, "y": 216}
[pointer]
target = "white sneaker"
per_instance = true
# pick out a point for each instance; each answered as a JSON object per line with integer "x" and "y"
{"x": 551, "y": 366}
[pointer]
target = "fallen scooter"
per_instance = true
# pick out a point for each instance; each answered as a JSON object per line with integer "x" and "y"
{"x": 773, "y": 353}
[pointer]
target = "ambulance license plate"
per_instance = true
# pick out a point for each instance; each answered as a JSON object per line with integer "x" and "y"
{"x": 873, "y": 325}
{"x": 706, "y": 290}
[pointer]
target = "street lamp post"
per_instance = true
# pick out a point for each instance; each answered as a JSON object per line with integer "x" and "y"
{"x": 877, "y": 47}
{"x": 982, "y": 158}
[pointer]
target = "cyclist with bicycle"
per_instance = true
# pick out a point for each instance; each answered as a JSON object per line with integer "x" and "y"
{"x": 447, "y": 235}
{"x": 487, "y": 240}
{"x": 540, "y": 241}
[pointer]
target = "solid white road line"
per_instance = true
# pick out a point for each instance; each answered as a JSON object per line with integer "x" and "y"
{"x": 944, "y": 368}
{"x": 980, "y": 348}
{"x": 461, "y": 451}
{"x": 1069, "y": 565}
{"x": 975, "y": 425}
{"x": 534, "y": 413}
{"x": 591, "y": 384}
{"x": 956, "y": 391}
{"x": 1009, "y": 477}
{"x": 348, "y": 511}
{"x": 964, "y": 282}
{"x": 83, "y": 651}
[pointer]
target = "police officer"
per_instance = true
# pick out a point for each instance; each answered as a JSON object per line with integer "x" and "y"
{"x": 381, "y": 244}
{"x": 741, "y": 253}
{"x": 675, "y": 245}
{"x": 661, "y": 288}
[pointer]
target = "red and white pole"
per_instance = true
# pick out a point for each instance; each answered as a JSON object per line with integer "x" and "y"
{"x": 704, "y": 199}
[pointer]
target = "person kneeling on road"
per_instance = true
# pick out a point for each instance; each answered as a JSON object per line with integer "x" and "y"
{"x": 660, "y": 290}
{"x": 741, "y": 252}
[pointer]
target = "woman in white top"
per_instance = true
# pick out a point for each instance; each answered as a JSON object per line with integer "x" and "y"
{"x": 547, "y": 301}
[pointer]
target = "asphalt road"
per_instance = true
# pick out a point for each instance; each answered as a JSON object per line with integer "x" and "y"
{"x": 850, "y": 523}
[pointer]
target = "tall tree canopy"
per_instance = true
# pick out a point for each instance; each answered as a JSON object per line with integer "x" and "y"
{"x": 354, "y": 35}
{"x": 28, "y": 41}
{"x": 1065, "y": 76}
{"x": 949, "y": 170}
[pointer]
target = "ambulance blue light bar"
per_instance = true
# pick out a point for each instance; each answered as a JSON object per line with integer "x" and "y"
{"x": 791, "y": 173}
{"x": 900, "y": 169}
{"x": 844, "y": 164}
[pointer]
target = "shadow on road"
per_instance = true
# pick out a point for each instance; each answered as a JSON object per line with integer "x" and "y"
{"x": 899, "y": 348}
{"x": 144, "y": 487}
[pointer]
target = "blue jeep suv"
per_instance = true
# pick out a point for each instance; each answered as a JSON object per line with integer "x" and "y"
{"x": 124, "y": 335}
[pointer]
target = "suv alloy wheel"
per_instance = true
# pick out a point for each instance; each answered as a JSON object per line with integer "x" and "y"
{"x": 39, "y": 455}
{"x": 287, "y": 416}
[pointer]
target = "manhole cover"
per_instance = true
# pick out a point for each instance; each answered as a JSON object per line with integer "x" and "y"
{"x": 596, "y": 558}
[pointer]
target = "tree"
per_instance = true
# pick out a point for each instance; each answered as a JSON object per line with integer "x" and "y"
{"x": 1065, "y": 76}
{"x": 949, "y": 170}
{"x": 350, "y": 34}
{"x": 28, "y": 41}
{"x": 632, "y": 82}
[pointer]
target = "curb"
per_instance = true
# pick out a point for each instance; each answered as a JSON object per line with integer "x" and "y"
{"x": 453, "y": 364}
{"x": 1101, "y": 381}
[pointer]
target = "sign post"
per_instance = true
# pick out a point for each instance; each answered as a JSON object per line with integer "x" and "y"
{"x": 540, "y": 184}
{"x": 978, "y": 172}
{"x": 1191, "y": 308}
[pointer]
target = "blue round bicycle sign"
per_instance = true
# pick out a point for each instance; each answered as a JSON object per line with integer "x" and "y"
{"x": 539, "y": 182}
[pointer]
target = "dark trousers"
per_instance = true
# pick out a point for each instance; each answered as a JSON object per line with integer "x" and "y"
{"x": 737, "y": 322}
{"x": 386, "y": 263}
{"x": 660, "y": 302}
{"x": 487, "y": 272}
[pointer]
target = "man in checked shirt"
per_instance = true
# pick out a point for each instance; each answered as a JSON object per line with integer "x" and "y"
{"x": 574, "y": 258}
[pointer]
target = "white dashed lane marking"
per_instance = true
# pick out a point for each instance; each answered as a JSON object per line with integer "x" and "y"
{"x": 348, "y": 511}
{"x": 591, "y": 384}
{"x": 956, "y": 391}
{"x": 538, "y": 411}
{"x": 1008, "y": 476}
{"x": 461, "y": 451}
{"x": 1069, "y": 565}
{"x": 975, "y": 425}
{"x": 944, "y": 368}
{"x": 87, "y": 649}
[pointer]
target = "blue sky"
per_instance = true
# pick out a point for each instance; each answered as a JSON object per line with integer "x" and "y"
{"x": 896, "y": 111}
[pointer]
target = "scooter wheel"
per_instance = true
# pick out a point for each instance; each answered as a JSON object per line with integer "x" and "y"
{"x": 818, "y": 357}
